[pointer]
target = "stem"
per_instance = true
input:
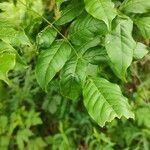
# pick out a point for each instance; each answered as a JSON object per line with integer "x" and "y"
{"x": 52, "y": 27}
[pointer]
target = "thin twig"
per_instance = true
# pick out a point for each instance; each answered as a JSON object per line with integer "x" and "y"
{"x": 52, "y": 27}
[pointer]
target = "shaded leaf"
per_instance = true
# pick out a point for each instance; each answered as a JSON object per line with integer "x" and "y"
{"x": 140, "y": 51}
{"x": 36, "y": 144}
{"x": 142, "y": 116}
{"x": 120, "y": 46}
{"x": 89, "y": 44}
{"x": 143, "y": 23}
{"x": 72, "y": 10}
{"x": 96, "y": 55}
{"x": 72, "y": 76}
{"x": 46, "y": 37}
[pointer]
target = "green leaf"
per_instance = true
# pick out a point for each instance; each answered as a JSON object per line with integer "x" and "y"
{"x": 8, "y": 61}
{"x": 71, "y": 11}
{"x": 72, "y": 76}
{"x": 120, "y": 46}
{"x": 51, "y": 103}
{"x": 104, "y": 101}
{"x": 59, "y": 2}
{"x": 5, "y": 47}
{"x": 12, "y": 13}
{"x": 19, "y": 14}
{"x": 102, "y": 10}
{"x": 143, "y": 23}
{"x": 140, "y": 51}
{"x": 7, "y": 32}
{"x": 32, "y": 119}
{"x": 46, "y": 37}
{"x": 96, "y": 55}
{"x": 142, "y": 116}
{"x": 136, "y": 6}
{"x": 51, "y": 61}
{"x": 3, "y": 124}
{"x": 85, "y": 28}
{"x": 88, "y": 44}
{"x": 20, "y": 39}
{"x": 10, "y": 35}
{"x": 4, "y": 142}
{"x": 36, "y": 144}
{"x": 23, "y": 136}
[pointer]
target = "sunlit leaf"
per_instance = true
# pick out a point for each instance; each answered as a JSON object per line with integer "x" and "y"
{"x": 104, "y": 101}
{"x": 51, "y": 61}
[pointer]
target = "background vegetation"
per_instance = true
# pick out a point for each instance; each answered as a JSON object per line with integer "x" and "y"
{"x": 32, "y": 119}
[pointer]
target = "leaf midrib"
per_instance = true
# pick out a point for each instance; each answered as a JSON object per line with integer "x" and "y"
{"x": 52, "y": 60}
{"x": 103, "y": 96}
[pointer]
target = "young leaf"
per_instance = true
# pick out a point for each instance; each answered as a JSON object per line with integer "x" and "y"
{"x": 85, "y": 28}
{"x": 120, "y": 46}
{"x": 136, "y": 6}
{"x": 73, "y": 9}
{"x": 8, "y": 61}
{"x": 46, "y": 37}
{"x": 12, "y": 36}
{"x": 101, "y": 9}
{"x": 51, "y": 61}
{"x": 12, "y": 13}
{"x": 6, "y": 47}
{"x": 140, "y": 51}
{"x": 143, "y": 23}
{"x": 72, "y": 76}
{"x": 104, "y": 101}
